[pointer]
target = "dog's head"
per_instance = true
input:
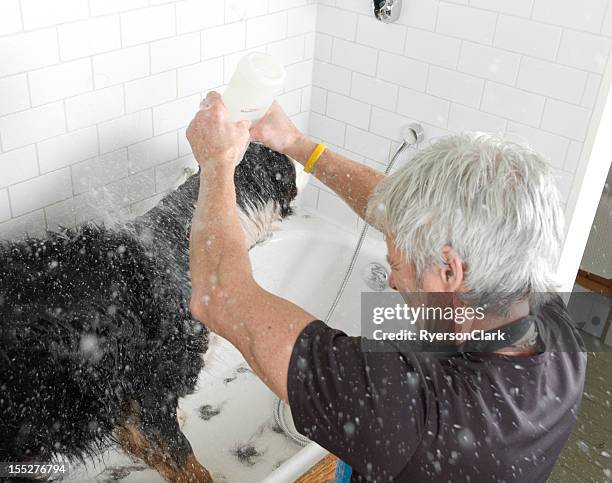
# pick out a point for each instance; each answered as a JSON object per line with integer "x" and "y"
{"x": 265, "y": 189}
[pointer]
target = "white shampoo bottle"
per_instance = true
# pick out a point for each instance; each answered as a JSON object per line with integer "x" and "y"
{"x": 258, "y": 79}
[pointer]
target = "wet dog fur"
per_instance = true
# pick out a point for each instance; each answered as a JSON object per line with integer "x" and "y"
{"x": 96, "y": 340}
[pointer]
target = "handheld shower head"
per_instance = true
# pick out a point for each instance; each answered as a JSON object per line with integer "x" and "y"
{"x": 413, "y": 133}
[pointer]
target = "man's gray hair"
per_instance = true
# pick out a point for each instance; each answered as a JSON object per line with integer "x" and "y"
{"x": 494, "y": 201}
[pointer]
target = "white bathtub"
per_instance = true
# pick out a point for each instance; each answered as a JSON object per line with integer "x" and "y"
{"x": 304, "y": 261}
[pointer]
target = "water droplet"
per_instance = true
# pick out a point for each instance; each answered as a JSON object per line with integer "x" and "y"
{"x": 349, "y": 428}
{"x": 466, "y": 438}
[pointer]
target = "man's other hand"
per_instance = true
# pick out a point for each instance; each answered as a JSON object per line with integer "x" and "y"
{"x": 276, "y": 131}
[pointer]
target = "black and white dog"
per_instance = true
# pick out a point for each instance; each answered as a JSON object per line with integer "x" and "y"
{"x": 96, "y": 340}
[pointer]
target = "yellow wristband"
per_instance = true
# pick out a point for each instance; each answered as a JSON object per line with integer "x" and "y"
{"x": 314, "y": 157}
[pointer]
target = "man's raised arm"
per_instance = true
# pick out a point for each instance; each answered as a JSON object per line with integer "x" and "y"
{"x": 352, "y": 181}
{"x": 225, "y": 296}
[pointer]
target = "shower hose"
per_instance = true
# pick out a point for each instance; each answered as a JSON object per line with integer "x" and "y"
{"x": 412, "y": 135}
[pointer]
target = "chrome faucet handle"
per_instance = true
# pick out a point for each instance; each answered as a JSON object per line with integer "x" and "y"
{"x": 387, "y": 11}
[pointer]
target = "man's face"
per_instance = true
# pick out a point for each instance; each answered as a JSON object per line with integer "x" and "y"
{"x": 403, "y": 276}
{"x": 403, "y": 273}
{"x": 436, "y": 287}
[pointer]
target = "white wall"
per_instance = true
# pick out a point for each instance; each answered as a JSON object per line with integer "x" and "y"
{"x": 95, "y": 95}
{"x": 529, "y": 68}
{"x": 591, "y": 176}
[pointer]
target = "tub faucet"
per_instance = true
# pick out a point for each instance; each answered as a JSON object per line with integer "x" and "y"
{"x": 376, "y": 276}
{"x": 387, "y": 11}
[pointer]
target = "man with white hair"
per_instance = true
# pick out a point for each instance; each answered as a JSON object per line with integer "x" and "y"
{"x": 472, "y": 216}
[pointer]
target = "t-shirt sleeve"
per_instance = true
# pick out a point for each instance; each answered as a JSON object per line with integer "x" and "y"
{"x": 367, "y": 408}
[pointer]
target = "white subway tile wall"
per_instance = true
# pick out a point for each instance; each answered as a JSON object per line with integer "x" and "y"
{"x": 530, "y": 69}
{"x": 150, "y": 91}
{"x": 18, "y": 165}
{"x": 41, "y": 13}
{"x": 93, "y": 110}
{"x": 5, "y": 209}
{"x": 62, "y": 151}
{"x": 89, "y": 37}
{"x": 95, "y": 96}
{"x": 19, "y": 99}
{"x": 36, "y": 49}
{"x": 60, "y": 81}
{"x": 121, "y": 66}
{"x": 32, "y": 125}
{"x": 10, "y": 22}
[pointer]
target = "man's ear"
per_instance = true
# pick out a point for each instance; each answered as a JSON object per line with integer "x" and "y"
{"x": 451, "y": 273}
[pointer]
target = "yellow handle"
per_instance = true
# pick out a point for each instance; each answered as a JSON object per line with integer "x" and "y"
{"x": 314, "y": 157}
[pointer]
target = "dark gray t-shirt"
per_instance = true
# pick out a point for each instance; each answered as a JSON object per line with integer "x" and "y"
{"x": 417, "y": 417}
